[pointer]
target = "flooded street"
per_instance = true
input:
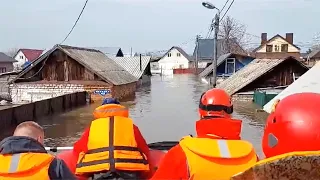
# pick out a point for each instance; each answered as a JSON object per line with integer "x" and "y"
{"x": 165, "y": 111}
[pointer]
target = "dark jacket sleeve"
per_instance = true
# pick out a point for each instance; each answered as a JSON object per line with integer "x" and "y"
{"x": 59, "y": 170}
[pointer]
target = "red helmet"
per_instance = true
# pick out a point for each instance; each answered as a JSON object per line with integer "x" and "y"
{"x": 215, "y": 102}
{"x": 293, "y": 125}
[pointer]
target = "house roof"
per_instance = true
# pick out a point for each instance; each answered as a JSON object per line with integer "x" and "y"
{"x": 6, "y": 58}
{"x": 305, "y": 83}
{"x": 271, "y": 39}
{"x": 31, "y": 54}
{"x": 250, "y": 73}
{"x": 314, "y": 54}
{"x": 205, "y": 50}
{"x": 132, "y": 64}
{"x": 180, "y": 50}
{"x": 109, "y": 51}
{"x": 93, "y": 60}
{"x": 220, "y": 60}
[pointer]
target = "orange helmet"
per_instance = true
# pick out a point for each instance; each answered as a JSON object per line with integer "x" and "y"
{"x": 215, "y": 102}
{"x": 293, "y": 125}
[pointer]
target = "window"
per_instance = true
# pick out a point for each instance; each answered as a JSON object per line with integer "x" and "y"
{"x": 276, "y": 48}
{"x": 230, "y": 66}
{"x": 3, "y": 70}
{"x": 284, "y": 47}
{"x": 269, "y": 48}
{"x": 21, "y": 57}
{"x": 178, "y": 54}
{"x": 181, "y": 66}
{"x": 169, "y": 54}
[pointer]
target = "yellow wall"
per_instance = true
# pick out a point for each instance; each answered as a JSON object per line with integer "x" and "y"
{"x": 278, "y": 41}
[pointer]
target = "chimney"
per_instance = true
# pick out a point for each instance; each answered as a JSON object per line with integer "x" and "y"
{"x": 289, "y": 37}
{"x": 264, "y": 38}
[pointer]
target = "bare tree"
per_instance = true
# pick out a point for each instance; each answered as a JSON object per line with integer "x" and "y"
{"x": 12, "y": 52}
{"x": 233, "y": 32}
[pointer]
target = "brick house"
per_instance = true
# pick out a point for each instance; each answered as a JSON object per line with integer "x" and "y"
{"x": 277, "y": 47}
{"x": 66, "y": 69}
{"x": 6, "y": 63}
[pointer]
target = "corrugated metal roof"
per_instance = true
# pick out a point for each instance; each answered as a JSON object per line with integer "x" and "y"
{"x": 132, "y": 64}
{"x": 93, "y": 60}
{"x": 208, "y": 70}
{"x": 308, "y": 82}
{"x": 248, "y": 74}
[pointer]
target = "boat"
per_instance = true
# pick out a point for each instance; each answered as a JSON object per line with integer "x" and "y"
{"x": 294, "y": 165}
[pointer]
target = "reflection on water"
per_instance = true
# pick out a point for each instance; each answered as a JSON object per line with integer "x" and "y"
{"x": 167, "y": 110}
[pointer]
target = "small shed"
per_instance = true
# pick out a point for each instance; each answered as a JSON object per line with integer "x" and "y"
{"x": 66, "y": 69}
{"x": 264, "y": 73}
{"x": 138, "y": 66}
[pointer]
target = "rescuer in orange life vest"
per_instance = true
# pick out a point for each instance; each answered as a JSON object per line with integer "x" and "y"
{"x": 112, "y": 147}
{"x": 22, "y": 156}
{"x": 217, "y": 152}
{"x": 293, "y": 125}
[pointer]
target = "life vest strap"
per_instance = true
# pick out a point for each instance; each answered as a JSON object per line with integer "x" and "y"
{"x": 107, "y": 161}
{"x": 112, "y": 148}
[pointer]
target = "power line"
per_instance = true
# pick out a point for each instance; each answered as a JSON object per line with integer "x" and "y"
{"x": 227, "y": 10}
{"x": 85, "y": 4}
{"x": 225, "y": 5}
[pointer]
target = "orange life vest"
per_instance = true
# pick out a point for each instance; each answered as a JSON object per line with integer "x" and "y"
{"x": 25, "y": 166}
{"x": 217, "y": 159}
{"x": 111, "y": 146}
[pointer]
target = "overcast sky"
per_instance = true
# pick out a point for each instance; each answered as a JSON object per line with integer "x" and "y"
{"x": 146, "y": 25}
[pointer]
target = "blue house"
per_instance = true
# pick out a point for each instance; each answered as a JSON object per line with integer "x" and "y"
{"x": 227, "y": 64}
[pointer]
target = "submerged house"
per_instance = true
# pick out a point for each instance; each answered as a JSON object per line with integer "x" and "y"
{"x": 66, "y": 69}
{"x": 138, "y": 66}
{"x": 308, "y": 82}
{"x": 227, "y": 64}
{"x": 263, "y": 73}
{"x": 174, "y": 58}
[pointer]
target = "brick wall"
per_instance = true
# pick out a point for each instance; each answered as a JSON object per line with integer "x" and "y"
{"x": 29, "y": 92}
{"x": 124, "y": 91}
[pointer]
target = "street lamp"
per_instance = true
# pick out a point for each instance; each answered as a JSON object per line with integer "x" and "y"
{"x": 214, "y": 24}
{"x": 208, "y": 5}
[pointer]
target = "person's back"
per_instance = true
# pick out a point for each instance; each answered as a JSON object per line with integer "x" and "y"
{"x": 113, "y": 153}
{"x": 217, "y": 152}
{"x": 98, "y": 136}
{"x": 23, "y": 156}
{"x": 217, "y": 158}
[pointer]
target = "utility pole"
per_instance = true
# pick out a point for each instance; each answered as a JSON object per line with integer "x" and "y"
{"x": 215, "y": 50}
{"x": 197, "y": 54}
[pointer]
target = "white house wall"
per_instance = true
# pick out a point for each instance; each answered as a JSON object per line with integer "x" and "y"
{"x": 21, "y": 58}
{"x": 173, "y": 62}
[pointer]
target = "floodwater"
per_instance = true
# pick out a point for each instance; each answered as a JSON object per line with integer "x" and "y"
{"x": 166, "y": 110}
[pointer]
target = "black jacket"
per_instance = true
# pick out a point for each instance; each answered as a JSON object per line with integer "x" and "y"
{"x": 19, "y": 144}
